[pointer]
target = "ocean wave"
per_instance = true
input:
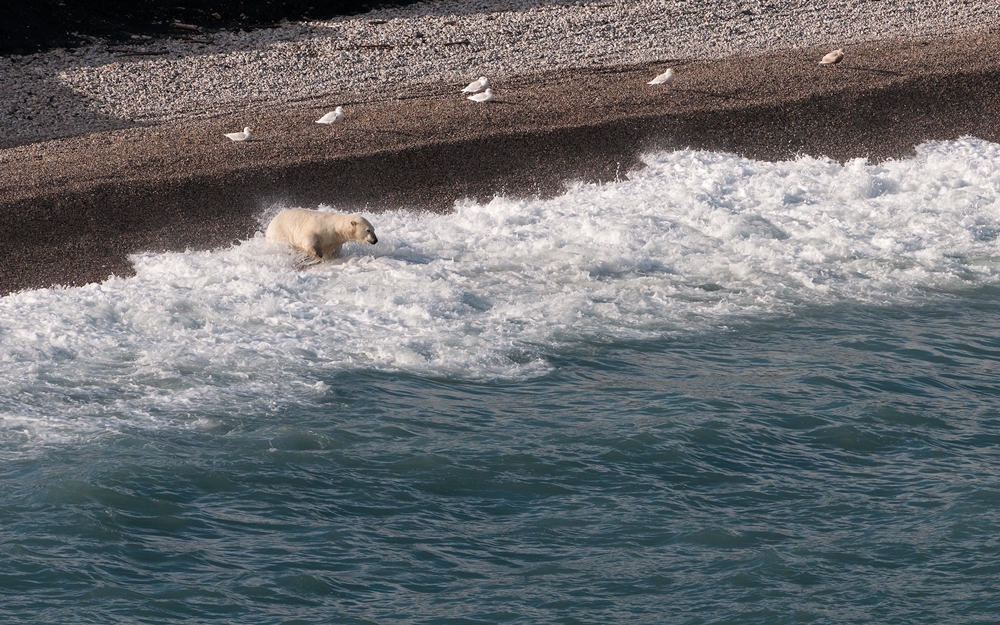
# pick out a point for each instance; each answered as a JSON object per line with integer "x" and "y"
{"x": 691, "y": 242}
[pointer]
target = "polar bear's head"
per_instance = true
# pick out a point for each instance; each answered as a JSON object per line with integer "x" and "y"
{"x": 362, "y": 230}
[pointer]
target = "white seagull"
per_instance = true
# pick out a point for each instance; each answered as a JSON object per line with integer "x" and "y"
{"x": 240, "y": 136}
{"x": 477, "y": 85}
{"x": 486, "y": 96}
{"x": 334, "y": 117}
{"x": 833, "y": 58}
{"x": 665, "y": 78}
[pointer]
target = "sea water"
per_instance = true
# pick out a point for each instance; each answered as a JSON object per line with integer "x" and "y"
{"x": 715, "y": 391}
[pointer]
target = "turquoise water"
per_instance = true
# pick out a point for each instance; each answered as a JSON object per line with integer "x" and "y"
{"x": 717, "y": 391}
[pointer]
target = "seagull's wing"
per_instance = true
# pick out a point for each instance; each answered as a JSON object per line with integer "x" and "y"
{"x": 665, "y": 78}
{"x": 832, "y": 57}
{"x": 475, "y": 86}
{"x": 486, "y": 96}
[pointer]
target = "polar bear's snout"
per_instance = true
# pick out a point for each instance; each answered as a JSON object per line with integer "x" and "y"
{"x": 372, "y": 238}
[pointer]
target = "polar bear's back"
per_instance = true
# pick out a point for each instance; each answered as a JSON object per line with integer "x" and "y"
{"x": 294, "y": 224}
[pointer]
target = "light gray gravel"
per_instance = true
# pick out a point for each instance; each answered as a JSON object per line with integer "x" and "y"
{"x": 428, "y": 48}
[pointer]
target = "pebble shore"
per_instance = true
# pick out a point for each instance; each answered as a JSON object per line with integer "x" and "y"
{"x": 426, "y": 48}
{"x": 110, "y": 150}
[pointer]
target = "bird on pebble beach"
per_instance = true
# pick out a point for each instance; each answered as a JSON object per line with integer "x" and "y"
{"x": 486, "y": 96}
{"x": 240, "y": 136}
{"x": 665, "y": 78}
{"x": 833, "y": 58}
{"x": 477, "y": 85}
{"x": 334, "y": 117}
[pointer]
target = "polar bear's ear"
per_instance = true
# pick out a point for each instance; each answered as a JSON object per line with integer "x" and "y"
{"x": 354, "y": 223}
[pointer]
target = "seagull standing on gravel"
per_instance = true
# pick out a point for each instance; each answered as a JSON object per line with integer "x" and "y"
{"x": 665, "y": 78}
{"x": 833, "y": 58}
{"x": 240, "y": 136}
{"x": 477, "y": 85}
{"x": 334, "y": 117}
{"x": 486, "y": 96}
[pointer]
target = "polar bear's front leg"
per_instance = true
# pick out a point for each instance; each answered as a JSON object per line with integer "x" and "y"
{"x": 314, "y": 246}
{"x": 332, "y": 250}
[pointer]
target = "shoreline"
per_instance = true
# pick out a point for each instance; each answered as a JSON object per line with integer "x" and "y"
{"x": 72, "y": 210}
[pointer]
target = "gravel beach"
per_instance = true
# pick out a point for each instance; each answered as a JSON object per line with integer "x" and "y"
{"x": 108, "y": 150}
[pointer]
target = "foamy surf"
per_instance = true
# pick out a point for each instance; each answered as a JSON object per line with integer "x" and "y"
{"x": 694, "y": 241}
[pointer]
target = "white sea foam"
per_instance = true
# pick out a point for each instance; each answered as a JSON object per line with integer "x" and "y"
{"x": 693, "y": 241}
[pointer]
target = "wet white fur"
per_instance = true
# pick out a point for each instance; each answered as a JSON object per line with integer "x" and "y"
{"x": 319, "y": 234}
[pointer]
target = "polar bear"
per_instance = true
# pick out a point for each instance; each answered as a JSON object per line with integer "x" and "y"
{"x": 317, "y": 233}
